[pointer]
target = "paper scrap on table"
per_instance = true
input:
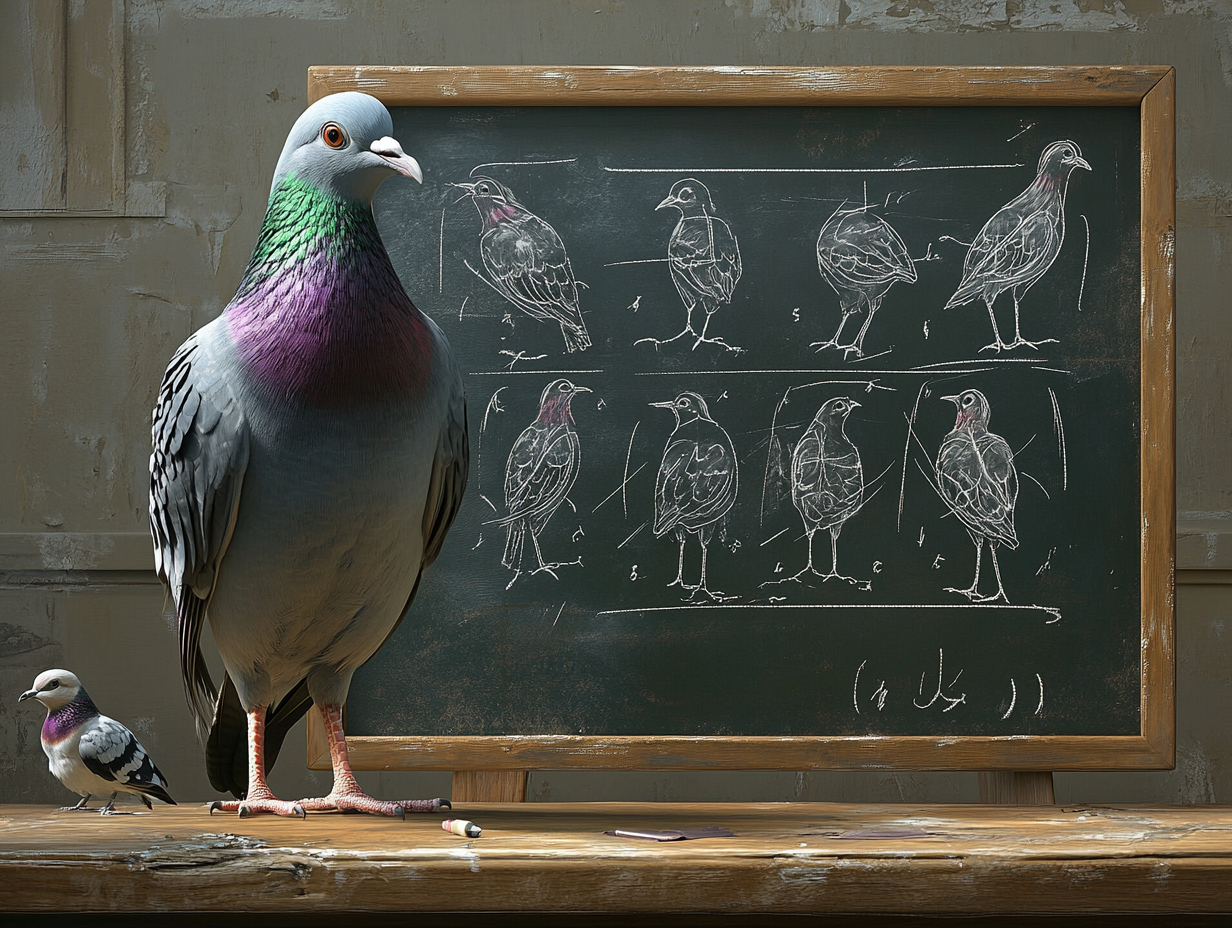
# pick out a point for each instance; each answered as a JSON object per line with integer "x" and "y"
{"x": 682, "y": 834}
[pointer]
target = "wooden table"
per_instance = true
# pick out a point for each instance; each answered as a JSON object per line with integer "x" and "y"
{"x": 818, "y": 858}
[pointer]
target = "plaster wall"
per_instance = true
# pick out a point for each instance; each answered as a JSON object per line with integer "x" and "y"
{"x": 93, "y": 305}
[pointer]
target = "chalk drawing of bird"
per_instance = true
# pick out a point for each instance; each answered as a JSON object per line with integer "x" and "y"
{"x": 542, "y": 467}
{"x": 977, "y": 479}
{"x": 696, "y": 484}
{"x": 526, "y": 260}
{"x": 89, "y": 752}
{"x": 861, "y": 256}
{"x": 704, "y": 259}
{"x": 337, "y": 408}
{"x": 1017, "y": 246}
{"x": 827, "y": 481}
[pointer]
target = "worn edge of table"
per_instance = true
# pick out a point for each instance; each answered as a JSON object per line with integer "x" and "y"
{"x": 800, "y": 858}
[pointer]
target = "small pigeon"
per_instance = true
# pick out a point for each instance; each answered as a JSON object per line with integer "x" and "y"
{"x": 526, "y": 260}
{"x": 976, "y": 478}
{"x": 542, "y": 466}
{"x": 1018, "y": 244}
{"x": 861, "y": 256}
{"x": 310, "y": 454}
{"x": 827, "y": 480}
{"x": 697, "y": 483}
{"x": 89, "y": 752}
{"x": 703, "y": 257}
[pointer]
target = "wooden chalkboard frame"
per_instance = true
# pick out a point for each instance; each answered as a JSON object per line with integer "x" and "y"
{"x": 1149, "y": 88}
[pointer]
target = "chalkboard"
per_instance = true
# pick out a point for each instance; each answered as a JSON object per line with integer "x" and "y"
{"x": 791, "y": 424}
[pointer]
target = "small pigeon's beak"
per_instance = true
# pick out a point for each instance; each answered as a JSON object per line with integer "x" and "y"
{"x": 669, "y": 200}
{"x": 577, "y": 389}
{"x": 666, "y": 404}
{"x": 853, "y": 404}
{"x": 469, "y": 188}
{"x": 392, "y": 154}
{"x": 953, "y": 399}
{"x": 1082, "y": 163}
{"x": 28, "y": 694}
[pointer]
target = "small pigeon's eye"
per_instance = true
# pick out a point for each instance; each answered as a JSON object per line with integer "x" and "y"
{"x": 484, "y": 189}
{"x": 564, "y": 388}
{"x": 686, "y": 192}
{"x": 332, "y": 135}
{"x": 968, "y": 400}
{"x": 53, "y": 685}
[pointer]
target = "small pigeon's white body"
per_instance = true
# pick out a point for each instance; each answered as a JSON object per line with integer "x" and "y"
{"x": 88, "y": 752}
{"x": 107, "y": 740}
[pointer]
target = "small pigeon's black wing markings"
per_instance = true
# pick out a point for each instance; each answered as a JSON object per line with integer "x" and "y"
{"x": 200, "y": 452}
{"x": 705, "y": 258}
{"x": 110, "y": 751}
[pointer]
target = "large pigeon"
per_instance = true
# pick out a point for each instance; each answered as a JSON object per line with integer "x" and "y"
{"x": 310, "y": 454}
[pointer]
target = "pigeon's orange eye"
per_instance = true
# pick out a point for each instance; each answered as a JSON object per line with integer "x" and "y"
{"x": 332, "y": 135}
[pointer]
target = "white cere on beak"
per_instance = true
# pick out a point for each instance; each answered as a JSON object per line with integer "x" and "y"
{"x": 392, "y": 154}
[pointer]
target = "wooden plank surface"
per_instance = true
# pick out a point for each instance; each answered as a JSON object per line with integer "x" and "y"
{"x": 785, "y": 857}
{"x": 732, "y": 86}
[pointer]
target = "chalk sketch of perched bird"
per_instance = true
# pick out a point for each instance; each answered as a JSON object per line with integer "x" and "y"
{"x": 827, "y": 480}
{"x": 703, "y": 257}
{"x": 542, "y": 467}
{"x": 976, "y": 478}
{"x": 697, "y": 482}
{"x": 89, "y": 752}
{"x": 1018, "y": 244}
{"x": 526, "y": 260}
{"x": 337, "y": 408}
{"x": 861, "y": 256}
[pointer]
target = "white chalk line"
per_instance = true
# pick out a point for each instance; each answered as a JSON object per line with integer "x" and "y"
{"x": 701, "y": 170}
{"x": 713, "y": 608}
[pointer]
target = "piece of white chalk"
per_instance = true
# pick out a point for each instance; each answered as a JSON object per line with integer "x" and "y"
{"x": 462, "y": 828}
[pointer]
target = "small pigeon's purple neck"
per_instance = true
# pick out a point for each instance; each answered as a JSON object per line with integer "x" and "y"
{"x": 62, "y": 722}
{"x": 557, "y": 411}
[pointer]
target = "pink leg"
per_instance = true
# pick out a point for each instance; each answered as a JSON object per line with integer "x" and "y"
{"x": 346, "y": 796}
{"x": 259, "y": 798}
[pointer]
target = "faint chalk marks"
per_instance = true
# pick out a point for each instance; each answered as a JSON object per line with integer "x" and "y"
{"x": 1059, "y": 429}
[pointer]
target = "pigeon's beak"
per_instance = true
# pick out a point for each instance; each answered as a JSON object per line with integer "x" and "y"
{"x": 28, "y": 694}
{"x": 469, "y": 188}
{"x": 389, "y": 151}
{"x": 669, "y": 200}
{"x": 853, "y": 404}
{"x": 666, "y": 404}
{"x": 953, "y": 399}
{"x": 1082, "y": 163}
{"x": 577, "y": 389}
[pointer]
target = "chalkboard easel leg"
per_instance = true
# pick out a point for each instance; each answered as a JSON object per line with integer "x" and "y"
{"x": 1016, "y": 788}
{"x": 489, "y": 786}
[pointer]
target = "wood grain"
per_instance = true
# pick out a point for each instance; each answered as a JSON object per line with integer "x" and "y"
{"x": 1158, "y": 437}
{"x": 718, "y": 86}
{"x": 489, "y": 786}
{"x": 785, "y": 858}
{"x": 1151, "y": 89}
{"x": 1017, "y": 788}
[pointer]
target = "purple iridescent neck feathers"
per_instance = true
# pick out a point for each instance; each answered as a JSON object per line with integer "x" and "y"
{"x": 320, "y": 316}
{"x": 62, "y": 722}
